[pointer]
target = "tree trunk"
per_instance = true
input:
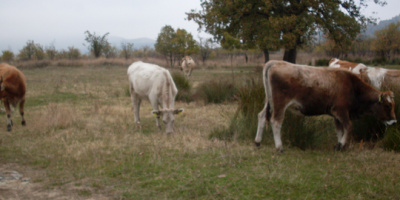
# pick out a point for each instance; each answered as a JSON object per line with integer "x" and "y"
{"x": 290, "y": 55}
{"x": 266, "y": 55}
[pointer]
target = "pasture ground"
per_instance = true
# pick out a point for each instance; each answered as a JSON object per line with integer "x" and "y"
{"x": 80, "y": 142}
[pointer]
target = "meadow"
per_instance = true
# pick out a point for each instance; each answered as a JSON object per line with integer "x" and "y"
{"x": 81, "y": 140}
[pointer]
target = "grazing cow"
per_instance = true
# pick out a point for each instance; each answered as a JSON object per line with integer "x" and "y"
{"x": 12, "y": 91}
{"x": 376, "y": 76}
{"x": 152, "y": 82}
{"x": 187, "y": 65}
{"x": 317, "y": 91}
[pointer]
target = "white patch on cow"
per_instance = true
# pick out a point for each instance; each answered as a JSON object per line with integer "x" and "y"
{"x": 358, "y": 68}
{"x": 376, "y": 76}
{"x": 390, "y": 122}
{"x": 334, "y": 65}
{"x": 389, "y": 99}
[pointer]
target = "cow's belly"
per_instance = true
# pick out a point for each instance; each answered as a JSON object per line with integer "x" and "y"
{"x": 309, "y": 108}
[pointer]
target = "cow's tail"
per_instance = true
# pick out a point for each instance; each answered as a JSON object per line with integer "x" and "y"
{"x": 267, "y": 87}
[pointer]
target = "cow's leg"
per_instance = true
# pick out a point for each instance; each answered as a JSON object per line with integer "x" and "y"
{"x": 343, "y": 128}
{"x": 8, "y": 112}
{"x": 190, "y": 72}
{"x": 276, "y": 123}
{"x": 155, "y": 106}
{"x": 262, "y": 122}
{"x": 21, "y": 111}
{"x": 136, "y": 110}
{"x": 339, "y": 132}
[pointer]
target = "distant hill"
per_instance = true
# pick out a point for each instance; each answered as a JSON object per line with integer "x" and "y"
{"x": 371, "y": 28}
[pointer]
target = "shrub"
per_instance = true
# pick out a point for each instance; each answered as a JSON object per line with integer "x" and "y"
{"x": 216, "y": 91}
{"x": 184, "y": 87}
{"x": 322, "y": 62}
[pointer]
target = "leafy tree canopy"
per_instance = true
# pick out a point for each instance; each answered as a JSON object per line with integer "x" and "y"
{"x": 274, "y": 24}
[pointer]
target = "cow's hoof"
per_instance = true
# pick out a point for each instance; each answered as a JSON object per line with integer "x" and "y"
{"x": 8, "y": 127}
{"x": 338, "y": 147}
{"x": 280, "y": 150}
{"x": 257, "y": 144}
{"x": 23, "y": 123}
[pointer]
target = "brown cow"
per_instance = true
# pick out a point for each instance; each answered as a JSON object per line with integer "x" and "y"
{"x": 12, "y": 91}
{"x": 376, "y": 76}
{"x": 351, "y": 66}
{"x": 317, "y": 91}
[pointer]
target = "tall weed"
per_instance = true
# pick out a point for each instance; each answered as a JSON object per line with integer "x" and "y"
{"x": 184, "y": 87}
{"x": 216, "y": 91}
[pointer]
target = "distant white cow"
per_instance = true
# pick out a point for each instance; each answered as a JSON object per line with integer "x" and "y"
{"x": 152, "y": 82}
{"x": 187, "y": 65}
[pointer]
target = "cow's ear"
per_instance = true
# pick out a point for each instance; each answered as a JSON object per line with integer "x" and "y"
{"x": 178, "y": 111}
{"x": 156, "y": 113}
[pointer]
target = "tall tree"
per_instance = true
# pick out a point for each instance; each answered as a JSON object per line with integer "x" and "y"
{"x": 272, "y": 24}
{"x": 175, "y": 44}
{"x": 97, "y": 43}
{"x": 126, "y": 49}
{"x": 387, "y": 41}
{"x": 28, "y": 51}
{"x": 165, "y": 44}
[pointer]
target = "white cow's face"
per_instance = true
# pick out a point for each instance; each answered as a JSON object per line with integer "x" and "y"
{"x": 168, "y": 118}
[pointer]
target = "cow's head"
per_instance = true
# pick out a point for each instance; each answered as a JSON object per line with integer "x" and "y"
{"x": 168, "y": 118}
{"x": 383, "y": 109}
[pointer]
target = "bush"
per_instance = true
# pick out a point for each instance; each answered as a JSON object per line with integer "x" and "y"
{"x": 322, "y": 62}
{"x": 184, "y": 87}
{"x": 216, "y": 91}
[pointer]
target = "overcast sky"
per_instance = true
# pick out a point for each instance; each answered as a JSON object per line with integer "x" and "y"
{"x": 47, "y": 21}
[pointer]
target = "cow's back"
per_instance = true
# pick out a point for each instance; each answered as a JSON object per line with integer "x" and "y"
{"x": 14, "y": 80}
{"x": 147, "y": 79}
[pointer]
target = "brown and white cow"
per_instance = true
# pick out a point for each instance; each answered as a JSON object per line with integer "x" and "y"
{"x": 187, "y": 65}
{"x": 12, "y": 91}
{"x": 376, "y": 76}
{"x": 152, "y": 82}
{"x": 351, "y": 66}
{"x": 317, "y": 91}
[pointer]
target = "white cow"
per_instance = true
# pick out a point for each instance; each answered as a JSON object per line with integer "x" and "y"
{"x": 152, "y": 82}
{"x": 187, "y": 65}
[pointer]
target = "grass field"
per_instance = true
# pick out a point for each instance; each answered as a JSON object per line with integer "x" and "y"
{"x": 81, "y": 139}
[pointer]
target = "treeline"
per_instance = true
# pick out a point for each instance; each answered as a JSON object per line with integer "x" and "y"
{"x": 383, "y": 48}
{"x": 172, "y": 45}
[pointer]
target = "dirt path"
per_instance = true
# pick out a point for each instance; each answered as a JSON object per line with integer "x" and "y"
{"x": 16, "y": 184}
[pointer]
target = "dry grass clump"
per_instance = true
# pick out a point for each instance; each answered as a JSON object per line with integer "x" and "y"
{"x": 55, "y": 116}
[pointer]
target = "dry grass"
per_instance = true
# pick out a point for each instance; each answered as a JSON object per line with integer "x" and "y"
{"x": 80, "y": 132}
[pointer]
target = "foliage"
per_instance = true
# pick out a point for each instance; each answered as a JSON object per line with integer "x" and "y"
{"x": 387, "y": 41}
{"x": 216, "y": 91}
{"x": 110, "y": 51}
{"x": 274, "y": 24}
{"x": 51, "y": 51}
{"x": 243, "y": 125}
{"x": 206, "y": 46}
{"x": 28, "y": 51}
{"x": 184, "y": 87}
{"x": 97, "y": 43}
{"x": 7, "y": 56}
{"x": 126, "y": 50}
{"x": 175, "y": 44}
{"x": 73, "y": 53}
